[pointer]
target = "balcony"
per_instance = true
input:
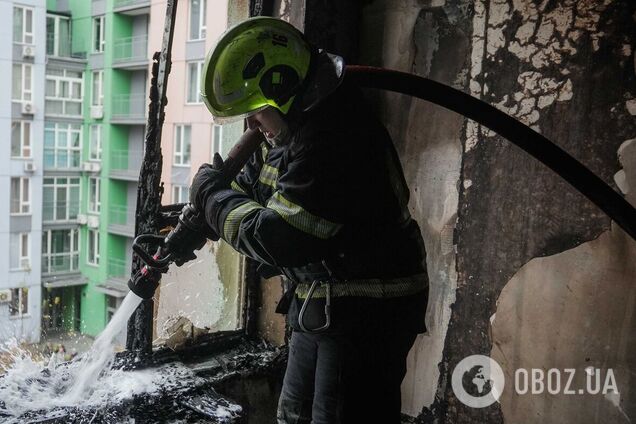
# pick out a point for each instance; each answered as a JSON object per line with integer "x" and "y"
{"x": 117, "y": 268}
{"x": 59, "y": 107}
{"x": 122, "y": 221}
{"x": 59, "y": 212}
{"x": 129, "y": 109}
{"x": 118, "y": 272}
{"x": 56, "y": 159}
{"x": 125, "y": 164}
{"x": 131, "y": 53}
{"x": 132, "y": 7}
{"x": 60, "y": 263}
{"x": 61, "y": 47}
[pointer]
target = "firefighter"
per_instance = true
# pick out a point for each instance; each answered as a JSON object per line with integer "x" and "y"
{"x": 324, "y": 203}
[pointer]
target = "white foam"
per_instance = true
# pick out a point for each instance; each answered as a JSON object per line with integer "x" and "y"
{"x": 86, "y": 382}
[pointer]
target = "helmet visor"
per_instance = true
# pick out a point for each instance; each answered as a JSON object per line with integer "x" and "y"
{"x": 221, "y": 120}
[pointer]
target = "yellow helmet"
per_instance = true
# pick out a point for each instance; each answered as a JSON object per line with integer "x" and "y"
{"x": 260, "y": 62}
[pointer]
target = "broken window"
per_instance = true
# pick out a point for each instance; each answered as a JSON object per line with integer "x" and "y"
{"x": 205, "y": 294}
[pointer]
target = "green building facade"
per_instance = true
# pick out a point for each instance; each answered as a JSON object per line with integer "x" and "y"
{"x": 107, "y": 42}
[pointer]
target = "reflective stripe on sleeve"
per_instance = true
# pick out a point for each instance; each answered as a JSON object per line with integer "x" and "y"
{"x": 234, "y": 218}
{"x": 264, "y": 150}
{"x": 302, "y": 220}
{"x": 236, "y": 187}
{"x": 268, "y": 175}
{"x": 374, "y": 287}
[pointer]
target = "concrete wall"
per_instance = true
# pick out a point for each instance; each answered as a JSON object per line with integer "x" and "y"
{"x": 522, "y": 267}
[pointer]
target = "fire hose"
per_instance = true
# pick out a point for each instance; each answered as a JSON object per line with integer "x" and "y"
{"x": 191, "y": 223}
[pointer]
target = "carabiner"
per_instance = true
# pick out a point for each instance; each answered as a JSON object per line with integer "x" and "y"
{"x": 303, "y": 309}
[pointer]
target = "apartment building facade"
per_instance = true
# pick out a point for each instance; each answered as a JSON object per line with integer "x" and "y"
{"x": 77, "y": 115}
{"x": 22, "y": 61}
{"x": 189, "y": 138}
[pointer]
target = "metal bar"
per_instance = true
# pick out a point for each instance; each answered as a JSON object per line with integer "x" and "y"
{"x": 150, "y": 189}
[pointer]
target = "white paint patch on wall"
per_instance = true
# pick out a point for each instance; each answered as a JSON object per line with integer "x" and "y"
{"x": 543, "y": 38}
{"x": 627, "y": 157}
{"x": 573, "y": 310}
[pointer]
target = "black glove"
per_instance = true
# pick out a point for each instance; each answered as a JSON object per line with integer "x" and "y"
{"x": 208, "y": 179}
{"x": 189, "y": 235}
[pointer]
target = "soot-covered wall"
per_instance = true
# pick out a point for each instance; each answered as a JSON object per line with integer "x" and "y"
{"x": 522, "y": 267}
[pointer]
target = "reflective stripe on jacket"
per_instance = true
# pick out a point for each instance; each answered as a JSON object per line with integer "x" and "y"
{"x": 336, "y": 193}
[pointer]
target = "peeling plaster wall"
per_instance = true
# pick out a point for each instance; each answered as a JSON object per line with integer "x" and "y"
{"x": 432, "y": 42}
{"x": 486, "y": 209}
{"x": 582, "y": 304}
{"x": 562, "y": 68}
{"x": 575, "y": 309}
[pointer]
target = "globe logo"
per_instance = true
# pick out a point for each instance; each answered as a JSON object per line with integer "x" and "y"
{"x": 478, "y": 381}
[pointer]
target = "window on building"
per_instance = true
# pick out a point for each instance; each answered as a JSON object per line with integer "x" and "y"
{"x": 63, "y": 92}
{"x": 22, "y": 25}
{"x": 60, "y": 251}
{"x": 24, "y": 248}
{"x": 58, "y": 35}
{"x": 194, "y": 82}
{"x": 182, "y": 145}
{"x": 94, "y": 203}
{"x": 21, "y": 139}
{"x": 62, "y": 145}
{"x": 20, "y": 195}
{"x": 180, "y": 194}
{"x": 61, "y": 199}
{"x": 95, "y": 146}
{"x": 197, "y": 19}
{"x": 93, "y": 247}
{"x": 97, "y": 96}
{"x": 217, "y": 146}
{"x": 99, "y": 40}
{"x": 22, "y": 87}
{"x": 19, "y": 304}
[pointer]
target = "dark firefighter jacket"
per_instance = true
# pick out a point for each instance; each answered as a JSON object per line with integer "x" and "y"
{"x": 332, "y": 203}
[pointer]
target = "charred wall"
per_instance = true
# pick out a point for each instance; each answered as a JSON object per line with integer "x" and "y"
{"x": 522, "y": 267}
{"x": 486, "y": 208}
{"x": 565, "y": 69}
